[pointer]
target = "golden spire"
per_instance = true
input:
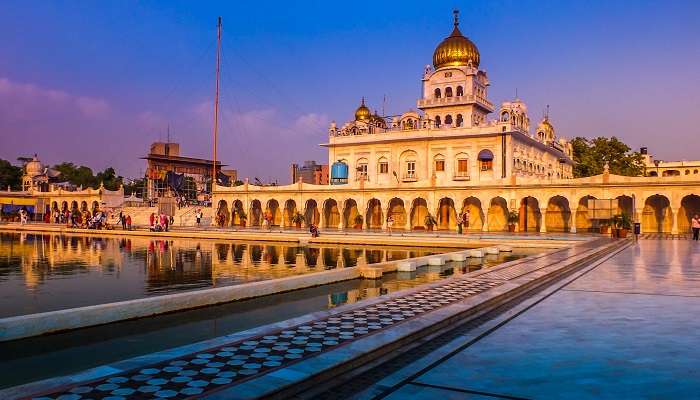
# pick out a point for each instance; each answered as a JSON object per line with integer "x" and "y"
{"x": 456, "y": 49}
{"x": 362, "y": 113}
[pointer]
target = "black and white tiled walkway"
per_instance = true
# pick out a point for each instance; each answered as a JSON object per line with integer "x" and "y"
{"x": 228, "y": 365}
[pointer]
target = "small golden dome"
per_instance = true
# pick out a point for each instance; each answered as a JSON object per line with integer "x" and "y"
{"x": 456, "y": 50}
{"x": 362, "y": 113}
{"x": 34, "y": 167}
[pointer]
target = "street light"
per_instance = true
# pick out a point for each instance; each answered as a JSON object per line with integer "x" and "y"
{"x": 657, "y": 162}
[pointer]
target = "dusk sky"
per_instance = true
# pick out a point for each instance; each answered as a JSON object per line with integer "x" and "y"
{"x": 96, "y": 82}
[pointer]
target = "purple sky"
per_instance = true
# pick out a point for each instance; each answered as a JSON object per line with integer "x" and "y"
{"x": 96, "y": 82}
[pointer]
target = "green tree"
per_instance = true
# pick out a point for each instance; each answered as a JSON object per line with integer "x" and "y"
{"x": 591, "y": 155}
{"x": 109, "y": 178}
{"x": 135, "y": 187}
{"x": 10, "y": 175}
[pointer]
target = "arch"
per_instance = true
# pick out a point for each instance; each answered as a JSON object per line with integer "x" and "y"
{"x": 583, "y": 224}
{"x": 83, "y": 205}
{"x": 223, "y": 217}
{"x": 437, "y": 121}
{"x": 625, "y": 205}
{"x": 448, "y": 119}
{"x": 374, "y": 218}
{"x": 671, "y": 172}
{"x": 255, "y": 215}
{"x": 419, "y": 210}
{"x": 656, "y": 216}
{"x": 273, "y": 210}
{"x": 437, "y": 93}
{"x": 331, "y": 214}
{"x": 408, "y": 161}
{"x": 311, "y": 214}
{"x": 95, "y": 206}
{"x": 460, "y": 91}
{"x": 54, "y": 206}
{"x": 459, "y": 121}
{"x": 498, "y": 215}
{"x": 290, "y": 209}
{"x": 485, "y": 158}
{"x": 446, "y": 214}
{"x": 73, "y": 205}
{"x": 558, "y": 215}
{"x": 397, "y": 211}
{"x": 530, "y": 216}
{"x": 236, "y": 212}
{"x": 448, "y": 91}
{"x": 476, "y": 218}
{"x": 653, "y": 173}
{"x": 690, "y": 205}
{"x": 350, "y": 213}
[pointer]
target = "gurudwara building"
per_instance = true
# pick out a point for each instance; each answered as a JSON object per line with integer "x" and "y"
{"x": 458, "y": 152}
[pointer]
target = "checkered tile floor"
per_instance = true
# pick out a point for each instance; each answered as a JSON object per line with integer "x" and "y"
{"x": 666, "y": 236}
{"x": 228, "y": 365}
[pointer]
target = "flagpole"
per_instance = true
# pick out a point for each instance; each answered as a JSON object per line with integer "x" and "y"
{"x": 216, "y": 102}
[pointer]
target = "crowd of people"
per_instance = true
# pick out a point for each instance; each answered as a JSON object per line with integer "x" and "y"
{"x": 160, "y": 222}
{"x": 78, "y": 219}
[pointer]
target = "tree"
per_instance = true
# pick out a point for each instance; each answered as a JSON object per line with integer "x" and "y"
{"x": 83, "y": 176}
{"x": 10, "y": 175}
{"x": 135, "y": 187}
{"x": 591, "y": 155}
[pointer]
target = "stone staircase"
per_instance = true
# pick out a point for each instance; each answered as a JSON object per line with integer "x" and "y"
{"x": 186, "y": 216}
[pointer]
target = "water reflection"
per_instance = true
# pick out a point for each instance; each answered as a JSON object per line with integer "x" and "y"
{"x": 42, "y": 272}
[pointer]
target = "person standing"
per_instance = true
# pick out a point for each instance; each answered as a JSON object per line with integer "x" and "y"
{"x": 390, "y": 223}
{"x": 152, "y": 219}
{"x": 460, "y": 221}
{"x": 128, "y": 222}
{"x": 198, "y": 216}
{"x": 465, "y": 219}
{"x": 695, "y": 224}
{"x": 122, "y": 219}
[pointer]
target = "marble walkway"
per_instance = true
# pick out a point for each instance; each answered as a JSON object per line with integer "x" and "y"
{"x": 247, "y": 364}
{"x": 629, "y": 328}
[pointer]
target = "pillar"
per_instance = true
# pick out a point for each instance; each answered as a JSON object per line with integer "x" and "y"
{"x": 485, "y": 222}
{"x": 572, "y": 219}
{"x": 674, "y": 220}
{"x": 543, "y": 219}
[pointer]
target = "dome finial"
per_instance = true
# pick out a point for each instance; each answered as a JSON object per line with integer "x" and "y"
{"x": 456, "y": 13}
{"x": 363, "y": 101}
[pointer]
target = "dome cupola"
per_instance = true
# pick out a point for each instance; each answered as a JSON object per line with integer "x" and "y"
{"x": 456, "y": 50}
{"x": 362, "y": 113}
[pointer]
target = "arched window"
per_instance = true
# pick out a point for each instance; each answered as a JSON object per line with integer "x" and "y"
{"x": 695, "y": 171}
{"x": 437, "y": 93}
{"x": 459, "y": 120}
{"x": 460, "y": 91}
{"x": 383, "y": 166}
{"x": 505, "y": 116}
{"x": 437, "y": 121}
{"x": 439, "y": 163}
{"x": 448, "y": 92}
{"x": 448, "y": 119}
{"x": 408, "y": 161}
{"x": 361, "y": 169}
{"x": 687, "y": 172}
{"x": 485, "y": 160}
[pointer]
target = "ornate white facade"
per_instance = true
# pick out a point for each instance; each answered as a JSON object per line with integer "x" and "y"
{"x": 450, "y": 140}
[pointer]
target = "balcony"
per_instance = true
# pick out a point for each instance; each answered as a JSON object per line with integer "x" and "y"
{"x": 455, "y": 100}
{"x": 409, "y": 177}
{"x": 461, "y": 176}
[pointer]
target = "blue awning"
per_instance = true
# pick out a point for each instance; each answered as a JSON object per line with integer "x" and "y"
{"x": 485, "y": 155}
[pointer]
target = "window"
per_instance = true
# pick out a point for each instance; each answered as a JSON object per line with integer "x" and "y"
{"x": 362, "y": 169}
{"x": 439, "y": 165}
{"x": 460, "y": 121}
{"x": 462, "y": 165}
{"x": 460, "y": 91}
{"x": 486, "y": 160}
{"x": 437, "y": 93}
{"x": 448, "y": 119}
{"x": 448, "y": 92}
{"x": 411, "y": 167}
{"x": 383, "y": 167}
{"x": 437, "y": 121}
{"x": 505, "y": 116}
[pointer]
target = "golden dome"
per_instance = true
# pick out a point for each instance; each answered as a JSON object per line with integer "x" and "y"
{"x": 456, "y": 50}
{"x": 362, "y": 113}
{"x": 34, "y": 167}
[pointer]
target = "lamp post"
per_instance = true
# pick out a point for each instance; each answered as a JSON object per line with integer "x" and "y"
{"x": 657, "y": 162}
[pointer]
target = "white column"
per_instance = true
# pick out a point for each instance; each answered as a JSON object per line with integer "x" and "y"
{"x": 572, "y": 225}
{"x": 543, "y": 219}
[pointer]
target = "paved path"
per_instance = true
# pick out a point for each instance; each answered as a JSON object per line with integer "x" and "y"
{"x": 244, "y": 364}
{"x": 627, "y": 329}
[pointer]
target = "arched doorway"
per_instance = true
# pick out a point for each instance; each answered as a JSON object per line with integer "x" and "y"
{"x": 236, "y": 212}
{"x": 311, "y": 214}
{"x": 558, "y": 216}
{"x": 255, "y": 217}
{"x": 290, "y": 209}
{"x": 476, "y": 219}
{"x": 530, "y": 215}
{"x": 64, "y": 206}
{"x": 83, "y": 206}
{"x": 375, "y": 216}
{"x": 656, "y": 216}
{"x": 583, "y": 223}
{"x": 273, "y": 209}
{"x": 331, "y": 214}
{"x": 54, "y": 206}
{"x": 419, "y": 210}
{"x": 397, "y": 211}
{"x": 497, "y": 215}
{"x": 690, "y": 205}
{"x": 625, "y": 206}
{"x": 73, "y": 206}
{"x": 222, "y": 214}
{"x": 350, "y": 214}
{"x": 446, "y": 215}
{"x": 95, "y": 207}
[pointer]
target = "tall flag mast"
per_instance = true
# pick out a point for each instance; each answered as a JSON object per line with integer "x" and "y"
{"x": 216, "y": 102}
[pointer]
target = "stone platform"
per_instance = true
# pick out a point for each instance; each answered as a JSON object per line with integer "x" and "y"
{"x": 292, "y": 356}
